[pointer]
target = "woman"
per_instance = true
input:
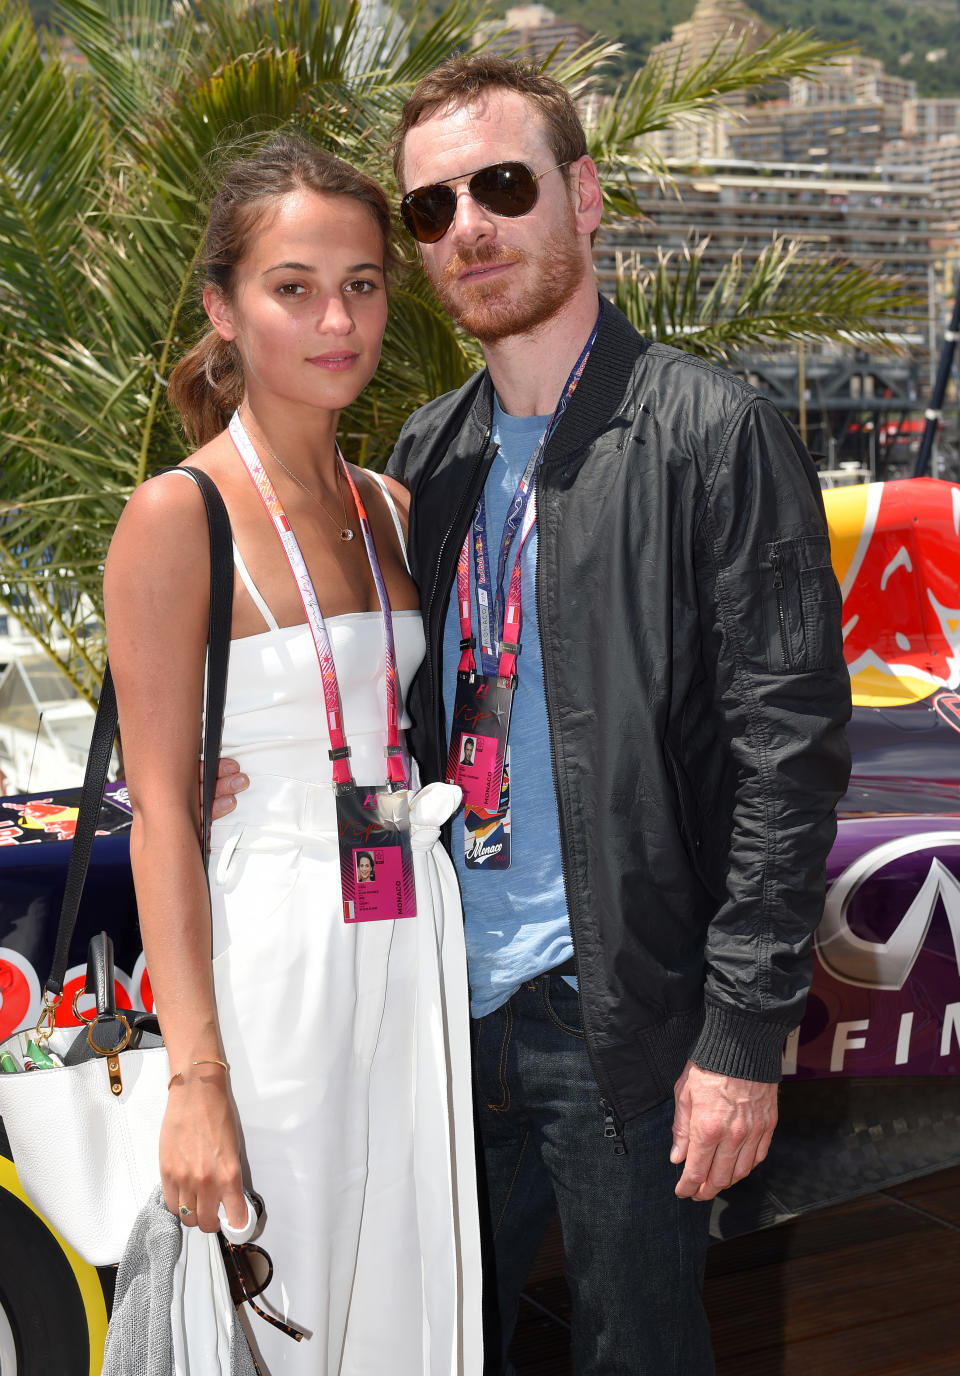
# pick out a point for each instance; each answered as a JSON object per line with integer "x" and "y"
{"x": 310, "y": 1055}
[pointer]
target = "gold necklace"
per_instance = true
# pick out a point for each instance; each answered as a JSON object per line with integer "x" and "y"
{"x": 344, "y": 530}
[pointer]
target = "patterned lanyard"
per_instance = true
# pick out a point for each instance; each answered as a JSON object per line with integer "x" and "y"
{"x": 500, "y": 616}
{"x": 339, "y": 754}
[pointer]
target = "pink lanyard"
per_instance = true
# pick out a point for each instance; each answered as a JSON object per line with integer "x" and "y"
{"x": 510, "y": 641}
{"x": 340, "y": 752}
{"x": 522, "y": 515}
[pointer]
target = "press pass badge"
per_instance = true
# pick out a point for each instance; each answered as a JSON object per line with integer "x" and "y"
{"x": 376, "y": 860}
{"x": 487, "y": 834}
{"x": 478, "y": 741}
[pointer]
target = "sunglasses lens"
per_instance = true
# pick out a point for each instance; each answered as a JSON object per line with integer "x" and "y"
{"x": 257, "y": 1269}
{"x": 428, "y": 212}
{"x": 506, "y": 188}
{"x": 249, "y": 1270}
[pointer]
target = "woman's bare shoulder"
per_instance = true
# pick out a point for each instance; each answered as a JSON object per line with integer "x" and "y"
{"x": 168, "y": 508}
{"x": 161, "y": 537}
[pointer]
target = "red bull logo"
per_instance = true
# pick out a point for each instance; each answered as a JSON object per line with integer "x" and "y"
{"x": 21, "y": 1000}
{"x": 38, "y": 814}
{"x": 896, "y": 553}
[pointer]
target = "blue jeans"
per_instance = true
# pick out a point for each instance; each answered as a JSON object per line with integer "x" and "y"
{"x": 634, "y": 1254}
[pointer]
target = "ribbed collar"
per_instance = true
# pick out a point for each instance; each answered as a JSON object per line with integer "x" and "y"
{"x": 606, "y": 381}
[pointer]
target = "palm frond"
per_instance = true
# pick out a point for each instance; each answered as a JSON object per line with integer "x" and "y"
{"x": 785, "y": 294}
{"x": 134, "y": 51}
{"x": 48, "y": 151}
{"x": 663, "y": 94}
{"x": 104, "y": 173}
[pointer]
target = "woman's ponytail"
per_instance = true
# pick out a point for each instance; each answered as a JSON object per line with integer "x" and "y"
{"x": 206, "y": 387}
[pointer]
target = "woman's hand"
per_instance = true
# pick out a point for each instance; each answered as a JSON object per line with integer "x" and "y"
{"x": 200, "y": 1152}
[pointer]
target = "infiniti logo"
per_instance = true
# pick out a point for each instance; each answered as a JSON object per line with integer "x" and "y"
{"x": 887, "y": 964}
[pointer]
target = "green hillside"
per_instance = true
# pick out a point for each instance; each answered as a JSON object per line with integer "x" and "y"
{"x": 899, "y": 32}
{"x": 888, "y": 29}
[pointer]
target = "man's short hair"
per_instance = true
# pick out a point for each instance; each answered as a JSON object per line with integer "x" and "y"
{"x": 462, "y": 79}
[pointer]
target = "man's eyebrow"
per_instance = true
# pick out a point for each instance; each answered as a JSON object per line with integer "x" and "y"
{"x": 308, "y": 267}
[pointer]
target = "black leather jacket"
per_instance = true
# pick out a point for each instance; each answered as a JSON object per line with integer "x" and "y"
{"x": 696, "y": 696}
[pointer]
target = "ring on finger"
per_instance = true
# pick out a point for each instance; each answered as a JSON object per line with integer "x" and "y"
{"x": 184, "y": 1211}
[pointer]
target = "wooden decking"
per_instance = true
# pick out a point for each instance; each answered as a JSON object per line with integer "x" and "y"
{"x": 870, "y": 1288}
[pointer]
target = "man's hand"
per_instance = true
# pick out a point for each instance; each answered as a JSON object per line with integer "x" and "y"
{"x": 230, "y": 781}
{"x": 721, "y": 1129}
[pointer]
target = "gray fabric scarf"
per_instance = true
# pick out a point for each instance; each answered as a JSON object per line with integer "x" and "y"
{"x": 140, "y": 1335}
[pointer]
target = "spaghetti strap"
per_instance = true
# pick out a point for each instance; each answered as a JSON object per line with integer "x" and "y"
{"x": 391, "y": 504}
{"x": 252, "y": 589}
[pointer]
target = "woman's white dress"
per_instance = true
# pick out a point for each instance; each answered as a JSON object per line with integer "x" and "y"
{"x": 348, "y": 1044}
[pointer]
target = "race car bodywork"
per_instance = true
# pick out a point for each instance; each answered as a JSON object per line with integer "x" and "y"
{"x": 871, "y": 1094}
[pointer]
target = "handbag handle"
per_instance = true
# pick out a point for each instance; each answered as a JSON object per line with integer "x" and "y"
{"x": 105, "y": 729}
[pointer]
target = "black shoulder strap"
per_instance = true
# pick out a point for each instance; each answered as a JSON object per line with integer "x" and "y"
{"x": 105, "y": 726}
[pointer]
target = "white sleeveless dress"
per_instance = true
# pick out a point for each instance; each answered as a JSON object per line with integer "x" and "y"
{"x": 348, "y": 1044}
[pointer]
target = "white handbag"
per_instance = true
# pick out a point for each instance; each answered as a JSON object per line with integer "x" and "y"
{"x": 87, "y": 1155}
{"x": 84, "y": 1136}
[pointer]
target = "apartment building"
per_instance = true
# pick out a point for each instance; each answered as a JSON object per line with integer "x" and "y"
{"x": 876, "y": 216}
{"x": 533, "y": 31}
{"x": 831, "y": 133}
{"x": 716, "y": 26}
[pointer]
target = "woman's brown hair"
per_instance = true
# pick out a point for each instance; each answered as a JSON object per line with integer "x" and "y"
{"x": 207, "y": 384}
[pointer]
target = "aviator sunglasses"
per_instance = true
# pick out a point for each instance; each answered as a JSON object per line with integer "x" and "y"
{"x": 503, "y": 188}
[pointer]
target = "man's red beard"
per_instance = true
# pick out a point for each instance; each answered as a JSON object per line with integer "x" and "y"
{"x": 487, "y": 310}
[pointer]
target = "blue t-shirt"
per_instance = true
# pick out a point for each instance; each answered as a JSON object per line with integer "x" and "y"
{"x": 516, "y": 919}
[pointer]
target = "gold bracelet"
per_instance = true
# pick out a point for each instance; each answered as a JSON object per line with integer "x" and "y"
{"x": 204, "y": 1060}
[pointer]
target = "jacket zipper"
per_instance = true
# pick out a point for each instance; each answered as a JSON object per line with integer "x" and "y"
{"x": 613, "y": 1129}
{"x": 434, "y": 676}
{"x": 776, "y": 560}
{"x": 612, "y": 1126}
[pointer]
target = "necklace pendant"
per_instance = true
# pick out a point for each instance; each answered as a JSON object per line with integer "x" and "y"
{"x": 346, "y": 534}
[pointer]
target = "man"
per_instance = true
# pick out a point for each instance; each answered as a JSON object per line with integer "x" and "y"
{"x": 676, "y": 742}
{"x": 675, "y": 735}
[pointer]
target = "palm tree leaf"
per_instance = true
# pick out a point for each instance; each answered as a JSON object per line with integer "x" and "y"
{"x": 134, "y": 50}
{"x": 662, "y": 95}
{"x": 48, "y": 150}
{"x": 104, "y": 175}
{"x": 784, "y": 295}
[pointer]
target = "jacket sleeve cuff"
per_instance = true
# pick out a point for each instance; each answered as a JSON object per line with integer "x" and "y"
{"x": 740, "y": 1044}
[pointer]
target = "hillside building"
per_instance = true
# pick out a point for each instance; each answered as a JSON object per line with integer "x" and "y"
{"x": 716, "y": 26}
{"x": 777, "y": 132}
{"x": 533, "y": 32}
{"x": 927, "y": 121}
{"x": 853, "y": 79}
{"x": 875, "y": 216}
{"x": 943, "y": 160}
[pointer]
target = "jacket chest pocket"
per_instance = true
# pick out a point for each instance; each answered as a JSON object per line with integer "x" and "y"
{"x": 801, "y": 605}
